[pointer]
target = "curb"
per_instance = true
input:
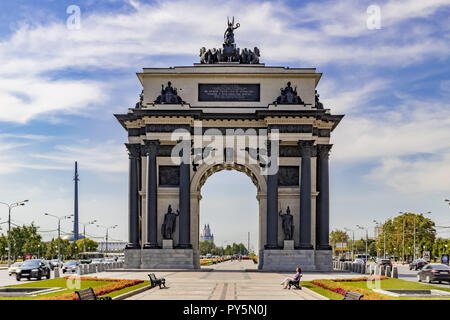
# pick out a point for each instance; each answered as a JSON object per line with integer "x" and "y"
{"x": 131, "y": 293}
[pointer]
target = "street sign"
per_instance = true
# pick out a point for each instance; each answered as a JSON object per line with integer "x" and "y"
{"x": 28, "y": 257}
{"x": 444, "y": 259}
{"x": 341, "y": 246}
{"x": 426, "y": 255}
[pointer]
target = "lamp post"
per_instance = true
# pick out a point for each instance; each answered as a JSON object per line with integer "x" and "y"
{"x": 353, "y": 240}
{"x": 107, "y": 229}
{"x": 10, "y": 207}
{"x": 367, "y": 240}
{"x": 448, "y": 201}
{"x": 414, "y": 240}
{"x": 384, "y": 237}
{"x": 84, "y": 231}
{"x": 59, "y": 230}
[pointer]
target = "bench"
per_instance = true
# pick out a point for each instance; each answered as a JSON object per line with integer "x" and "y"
{"x": 156, "y": 282}
{"x": 349, "y": 295}
{"x": 89, "y": 294}
{"x": 296, "y": 284}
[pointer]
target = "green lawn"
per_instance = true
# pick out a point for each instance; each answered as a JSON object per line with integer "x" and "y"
{"x": 383, "y": 284}
{"x": 324, "y": 292}
{"x": 62, "y": 283}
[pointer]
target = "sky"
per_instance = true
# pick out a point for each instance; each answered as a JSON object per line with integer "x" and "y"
{"x": 61, "y": 82}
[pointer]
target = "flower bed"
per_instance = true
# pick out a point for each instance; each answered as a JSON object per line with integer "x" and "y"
{"x": 338, "y": 286}
{"x": 115, "y": 285}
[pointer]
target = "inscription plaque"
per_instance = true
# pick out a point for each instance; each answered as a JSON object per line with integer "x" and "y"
{"x": 229, "y": 92}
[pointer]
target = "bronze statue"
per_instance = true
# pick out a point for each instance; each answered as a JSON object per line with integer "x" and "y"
{"x": 288, "y": 96}
{"x": 168, "y": 227}
{"x": 287, "y": 223}
{"x": 169, "y": 95}
{"x": 229, "y": 33}
{"x": 318, "y": 105}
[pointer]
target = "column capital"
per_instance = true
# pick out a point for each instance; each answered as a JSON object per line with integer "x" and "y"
{"x": 323, "y": 150}
{"x": 150, "y": 147}
{"x": 134, "y": 150}
{"x": 306, "y": 147}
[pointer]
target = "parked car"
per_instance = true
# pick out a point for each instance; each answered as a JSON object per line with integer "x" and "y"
{"x": 70, "y": 266}
{"x": 417, "y": 264}
{"x": 35, "y": 268}
{"x": 14, "y": 267}
{"x": 434, "y": 272}
{"x": 359, "y": 261}
{"x": 97, "y": 260}
{"x": 56, "y": 263}
{"x": 384, "y": 262}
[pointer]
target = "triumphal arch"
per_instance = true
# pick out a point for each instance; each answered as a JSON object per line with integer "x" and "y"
{"x": 229, "y": 112}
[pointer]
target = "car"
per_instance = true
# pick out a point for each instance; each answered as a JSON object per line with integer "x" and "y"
{"x": 56, "y": 263}
{"x": 383, "y": 262}
{"x": 14, "y": 268}
{"x": 434, "y": 272}
{"x": 359, "y": 261}
{"x": 70, "y": 266}
{"x": 35, "y": 268}
{"x": 417, "y": 264}
{"x": 97, "y": 261}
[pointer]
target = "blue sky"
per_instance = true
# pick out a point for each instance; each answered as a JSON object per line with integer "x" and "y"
{"x": 59, "y": 89}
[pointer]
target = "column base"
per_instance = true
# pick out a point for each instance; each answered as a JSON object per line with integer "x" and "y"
{"x": 324, "y": 247}
{"x": 151, "y": 246}
{"x": 304, "y": 246}
{"x": 271, "y": 247}
{"x": 184, "y": 246}
{"x": 168, "y": 259}
{"x": 132, "y": 258}
{"x": 132, "y": 246}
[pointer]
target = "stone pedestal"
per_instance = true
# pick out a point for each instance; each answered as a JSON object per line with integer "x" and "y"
{"x": 288, "y": 245}
{"x": 167, "y": 259}
{"x": 323, "y": 260}
{"x": 133, "y": 258}
{"x": 167, "y": 244}
{"x": 288, "y": 260}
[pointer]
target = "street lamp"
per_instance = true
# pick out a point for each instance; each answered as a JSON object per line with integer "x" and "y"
{"x": 367, "y": 239}
{"x": 353, "y": 239}
{"x": 384, "y": 237}
{"x": 84, "y": 232}
{"x": 448, "y": 201}
{"x": 59, "y": 229}
{"x": 107, "y": 229}
{"x": 10, "y": 206}
{"x": 429, "y": 212}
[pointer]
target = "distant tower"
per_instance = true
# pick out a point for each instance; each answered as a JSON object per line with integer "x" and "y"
{"x": 206, "y": 234}
{"x": 75, "y": 220}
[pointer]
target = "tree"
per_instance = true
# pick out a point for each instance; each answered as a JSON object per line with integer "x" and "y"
{"x": 338, "y": 236}
{"x": 206, "y": 247}
{"x": 90, "y": 245}
{"x": 24, "y": 240}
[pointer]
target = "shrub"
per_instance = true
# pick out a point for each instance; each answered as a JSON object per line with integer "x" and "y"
{"x": 337, "y": 286}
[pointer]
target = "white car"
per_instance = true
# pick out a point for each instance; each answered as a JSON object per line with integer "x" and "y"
{"x": 14, "y": 267}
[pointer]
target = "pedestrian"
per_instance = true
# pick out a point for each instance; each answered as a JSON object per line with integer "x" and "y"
{"x": 298, "y": 274}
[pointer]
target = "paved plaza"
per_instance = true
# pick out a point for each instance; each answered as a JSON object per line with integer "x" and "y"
{"x": 227, "y": 281}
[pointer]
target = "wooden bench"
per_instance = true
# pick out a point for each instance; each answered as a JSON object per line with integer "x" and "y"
{"x": 154, "y": 281}
{"x": 349, "y": 295}
{"x": 296, "y": 284}
{"x": 89, "y": 294}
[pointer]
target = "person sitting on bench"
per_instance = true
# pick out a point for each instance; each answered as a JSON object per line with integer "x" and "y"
{"x": 291, "y": 281}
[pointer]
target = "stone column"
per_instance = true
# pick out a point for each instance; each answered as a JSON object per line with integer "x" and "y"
{"x": 151, "y": 148}
{"x": 272, "y": 208}
{"x": 133, "y": 197}
{"x": 185, "y": 201}
{"x": 305, "y": 194}
{"x": 323, "y": 203}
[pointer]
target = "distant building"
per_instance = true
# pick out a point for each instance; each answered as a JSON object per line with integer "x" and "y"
{"x": 113, "y": 246}
{"x": 206, "y": 234}
{"x": 377, "y": 230}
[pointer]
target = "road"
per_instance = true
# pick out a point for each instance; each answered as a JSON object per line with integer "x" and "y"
{"x": 6, "y": 280}
{"x": 411, "y": 275}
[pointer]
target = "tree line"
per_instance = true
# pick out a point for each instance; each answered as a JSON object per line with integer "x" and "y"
{"x": 206, "y": 247}
{"x": 26, "y": 240}
{"x": 396, "y": 237}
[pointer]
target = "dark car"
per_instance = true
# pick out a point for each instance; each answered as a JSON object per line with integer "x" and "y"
{"x": 434, "y": 272}
{"x": 35, "y": 268}
{"x": 70, "y": 266}
{"x": 417, "y": 264}
{"x": 384, "y": 262}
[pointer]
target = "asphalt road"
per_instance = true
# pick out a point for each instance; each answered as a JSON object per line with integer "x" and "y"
{"x": 411, "y": 275}
{"x": 6, "y": 280}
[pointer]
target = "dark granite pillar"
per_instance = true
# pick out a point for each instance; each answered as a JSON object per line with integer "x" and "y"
{"x": 272, "y": 209}
{"x": 185, "y": 201}
{"x": 133, "y": 197}
{"x": 323, "y": 200}
{"x": 151, "y": 148}
{"x": 305, "y": 194}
